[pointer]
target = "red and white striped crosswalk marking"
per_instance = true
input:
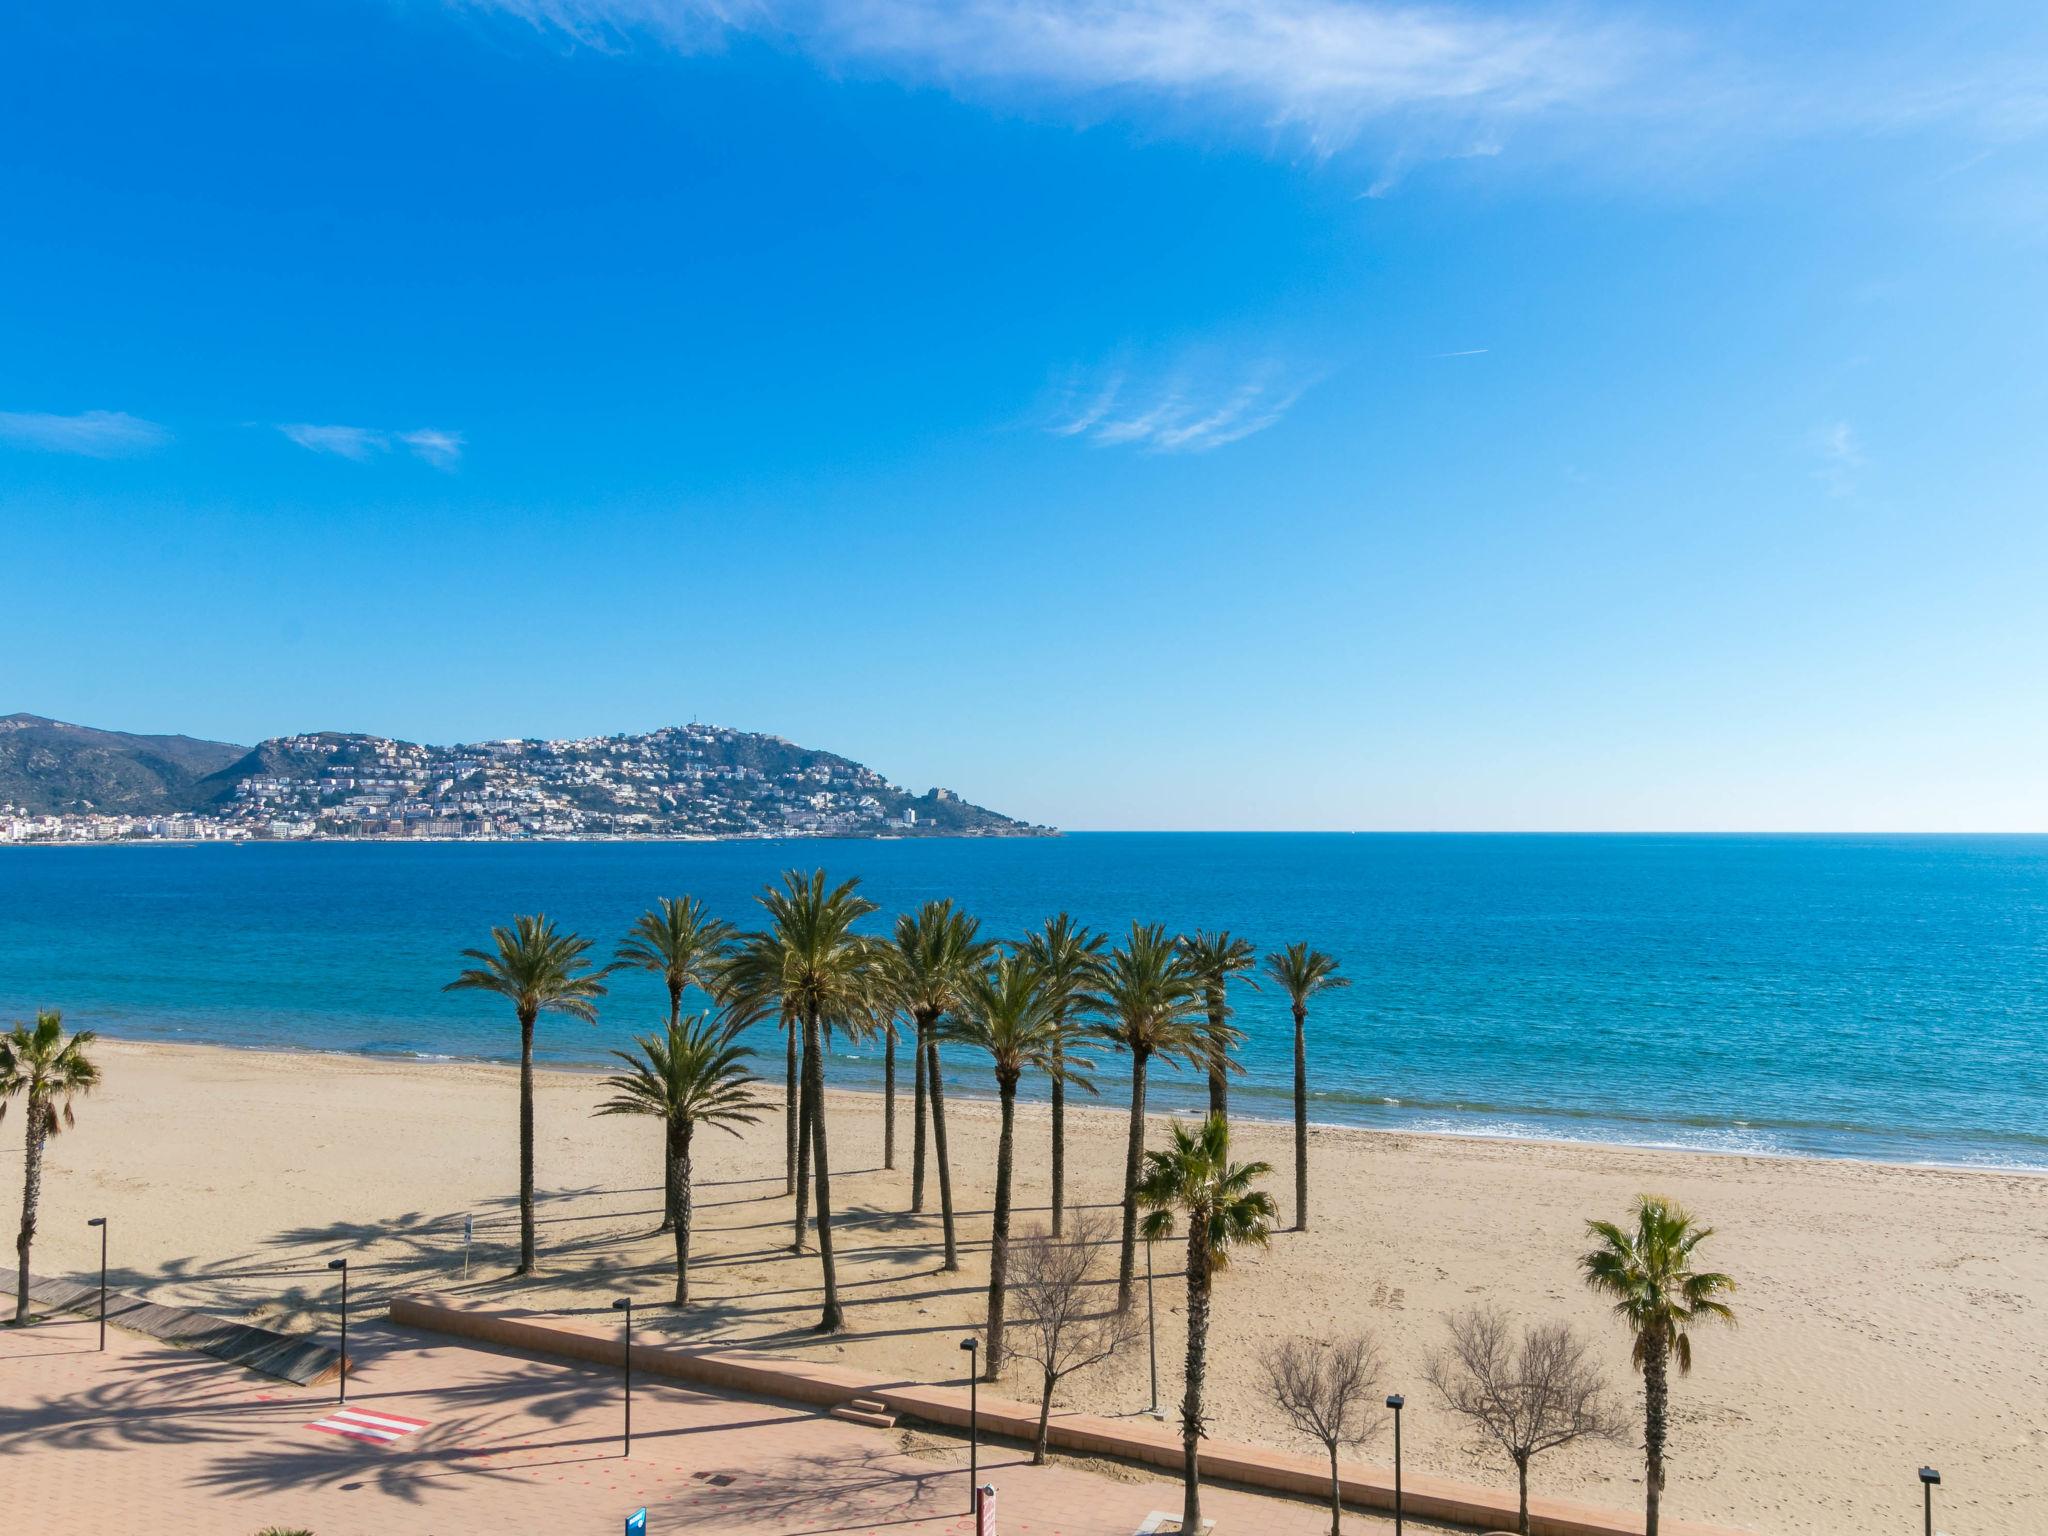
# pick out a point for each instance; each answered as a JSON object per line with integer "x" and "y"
{"x": 376, "y": 1428}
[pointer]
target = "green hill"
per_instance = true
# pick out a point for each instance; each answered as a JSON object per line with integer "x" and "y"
{"x": 48, "y": 767}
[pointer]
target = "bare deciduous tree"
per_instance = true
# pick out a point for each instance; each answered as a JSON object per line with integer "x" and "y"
{"x": 1060, "y": 1325}
{"x": 1527, "y": 1394}
{"x": 1327, "y": 1389}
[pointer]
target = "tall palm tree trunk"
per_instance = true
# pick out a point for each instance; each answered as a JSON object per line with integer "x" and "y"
{"x": 831, "y": 1319}
{"x": 1219, "y": 1057}
{"x": 1059, "y": 1139}
{"x": 679, "y": 1170}
{"x": 999, "y": 1235}
{"x": 889, "y": 1096}
{"x": 1134, "y": 1159}
{"x": 1197, "y": 1371}
{"x": 792, "y": 1120}
{"x": 945, "y": 1164}
{"x": 806, "y": 1112}
{"x": 1300, "y": 1120}
{"x": 917, "y": 1117}
{"x": 31, "y": 1198}
{"x": 669, "y": 1203}
{"x": 1656, "y": 1399}
{"x": 526, "y": 1243}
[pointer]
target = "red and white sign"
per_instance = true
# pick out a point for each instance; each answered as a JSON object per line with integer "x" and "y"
{"x": 376, "y": 1428}
{"x": 985, "y": 1510}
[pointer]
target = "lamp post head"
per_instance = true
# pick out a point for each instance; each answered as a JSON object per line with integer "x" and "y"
{"x": 623, "y": 1304}
{"x": 1929, "y": 1476}
{"x": 95, "y": 1221}
{"x": 337, "y": 1263}
{"x": 970, "y": 1345}
{"x": 1397, "y": 1402}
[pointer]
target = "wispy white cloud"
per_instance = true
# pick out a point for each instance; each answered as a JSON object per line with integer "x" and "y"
{"x": 1467, "y": 352}
{"x": 1662, "y": 90}
{"x": 1323, "y": 66}
{"x": 441, "y": 449}
{"x": 349, "y": 442}
{"x": 94, "y": 434}
{"x": 1189, "y": 410}
{"x": 1841, "y": 457}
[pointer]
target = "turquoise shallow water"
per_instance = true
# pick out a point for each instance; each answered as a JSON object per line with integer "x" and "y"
{"x": 1877, "y": 997}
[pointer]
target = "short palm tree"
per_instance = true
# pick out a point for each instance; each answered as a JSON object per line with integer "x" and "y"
{"x": 1195, "y": 1177}
{"x": 1069, "y": 959}
{"x": 937, "y": 953}
{"x": 47, "y": 1069}
{"x": 1216, "y": 958}
{"x": 693, "y": 1075}
{"x": 809, "y": 965}
{"x": 1302, "y": 973}
{"x": 1151, "y": 1005}
{"x": 541, "y": 970}
{"x": 683, "y": 943}
{"x": 1657, "y": 1292}
{"x": 1008, "y": 1011}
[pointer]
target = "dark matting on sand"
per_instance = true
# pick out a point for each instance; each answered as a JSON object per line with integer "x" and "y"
{"x": 289, "y": 1357}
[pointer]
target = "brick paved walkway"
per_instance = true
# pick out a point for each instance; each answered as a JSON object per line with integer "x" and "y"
{"x": 89, "y": 1441}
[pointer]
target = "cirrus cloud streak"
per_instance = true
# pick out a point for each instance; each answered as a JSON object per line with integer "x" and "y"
{"x": 434, "y": 446}
{"x": 91, "y": 434}
{"x": 1185, "y": 411}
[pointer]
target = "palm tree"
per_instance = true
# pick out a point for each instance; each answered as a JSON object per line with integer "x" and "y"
{"x": 889, "y": 1033}
{"x": 1008, "y": 1011}
{"x": 542, "y": 971}
{"x": 810, "y": 966}
{"x": 1195, "y": 1176}
{"x": 1069, "y": 957}
{"x": 937, "y": 953}
{"x": 1657, "y": 1292}
{"x": 50, "y": 1071}
{"x": 1301, "y": 973}
{"x": 1216, "y": 957}
{"x": 692, "y": 1076}
{"x": 1151, "y": 1002}
{"x": 679, "y": 939}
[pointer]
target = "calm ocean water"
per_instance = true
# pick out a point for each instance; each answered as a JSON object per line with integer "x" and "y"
{"x": 1865, "y": 996}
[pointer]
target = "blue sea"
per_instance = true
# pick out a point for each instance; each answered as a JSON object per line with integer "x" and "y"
{"x": 1878, "y": 997}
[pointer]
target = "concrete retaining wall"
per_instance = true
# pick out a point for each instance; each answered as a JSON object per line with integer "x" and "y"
{"x": 1140, "y": 1440}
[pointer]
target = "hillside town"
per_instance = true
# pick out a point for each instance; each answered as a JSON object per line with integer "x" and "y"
{"x": 679, "y": 782}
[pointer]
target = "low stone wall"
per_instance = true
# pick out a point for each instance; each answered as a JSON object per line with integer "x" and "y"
{"x": 1138, "y": 1440}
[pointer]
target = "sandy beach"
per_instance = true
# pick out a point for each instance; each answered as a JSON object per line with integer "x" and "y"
{"x": 1889, "y": 1315}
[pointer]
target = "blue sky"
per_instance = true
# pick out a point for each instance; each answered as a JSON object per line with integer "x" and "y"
{"x": 1317, "y": 414}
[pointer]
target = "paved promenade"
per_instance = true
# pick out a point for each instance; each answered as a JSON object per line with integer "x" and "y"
{"x": 504, "y": 1444}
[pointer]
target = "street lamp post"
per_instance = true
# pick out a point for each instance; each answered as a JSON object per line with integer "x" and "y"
{"x": 1929, "y": 1479}
{"x": 625, "y": 1304}
{"x": 342, "y": 1265}
{"x": 1397, "y": 1402}
{"x": 101, "y": 1223}
{"x": 1151, "y": 1331}
{"x": 973, "y": 1421}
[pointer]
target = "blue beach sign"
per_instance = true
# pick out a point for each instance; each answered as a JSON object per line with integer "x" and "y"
{"x": 636, "y": 1522}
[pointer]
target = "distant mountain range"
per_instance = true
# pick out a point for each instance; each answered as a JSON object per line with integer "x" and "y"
{"x": 72, "y": 781}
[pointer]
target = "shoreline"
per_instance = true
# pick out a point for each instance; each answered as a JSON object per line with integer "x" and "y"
{"x": 961, "y": 1091}
{"x": 901, "y": 835}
